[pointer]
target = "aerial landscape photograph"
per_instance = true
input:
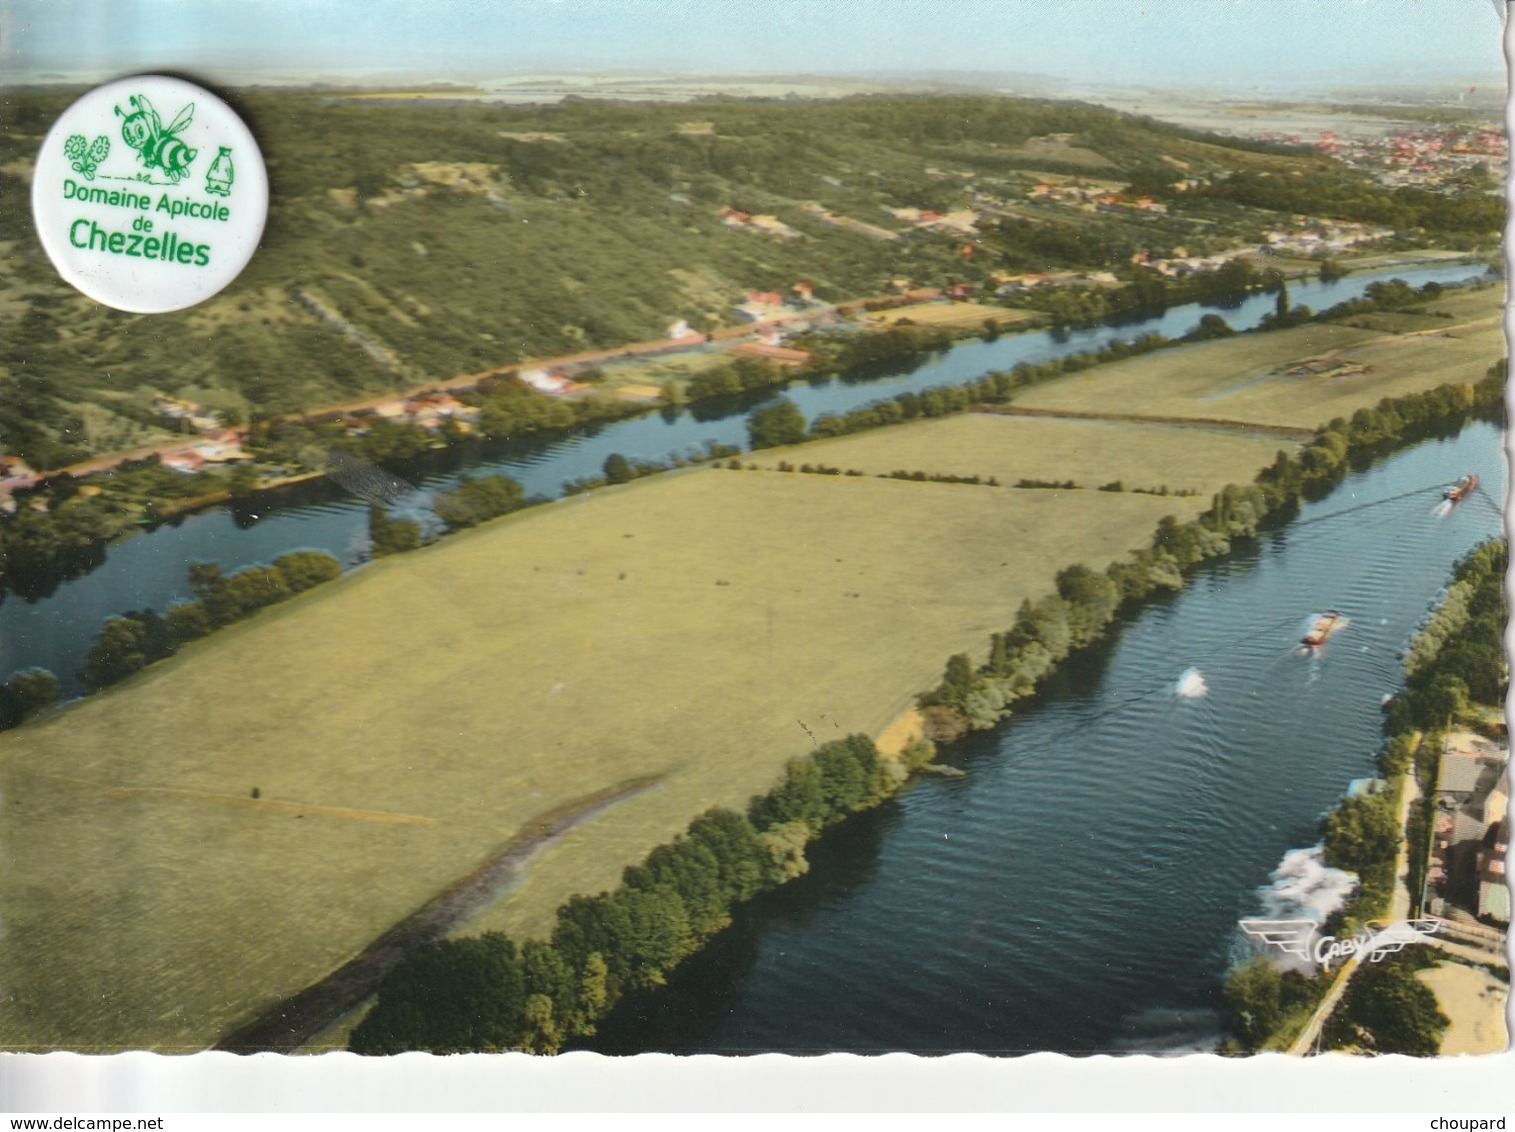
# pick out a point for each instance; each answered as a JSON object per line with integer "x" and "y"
{"x": 961, "y": 527}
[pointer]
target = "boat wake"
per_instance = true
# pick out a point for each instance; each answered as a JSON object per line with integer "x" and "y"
{"x": 1191, "y": 685}
{"x": 1304, "y": 887}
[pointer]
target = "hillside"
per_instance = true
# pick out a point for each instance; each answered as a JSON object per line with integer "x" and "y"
{"x": 413, "y": 240}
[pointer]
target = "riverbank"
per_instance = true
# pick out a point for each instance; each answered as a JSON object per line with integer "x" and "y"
{"x": 624, "y": 367}
{"x": 45, "y": 551}
{"x": 1017, "y": 882}
{"x": 292, "y": 1024}
{"x": 590, "y": 619}
{"x": 1382, "y": 839}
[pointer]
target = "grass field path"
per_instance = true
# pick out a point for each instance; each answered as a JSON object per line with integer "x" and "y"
{"x": 292, "y": 1023}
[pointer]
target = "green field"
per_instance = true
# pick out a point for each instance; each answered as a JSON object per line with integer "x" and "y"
{"x": 402, "y": 724}
{"x": 1090, "y": 453}
{"x": 1244, "y": 379}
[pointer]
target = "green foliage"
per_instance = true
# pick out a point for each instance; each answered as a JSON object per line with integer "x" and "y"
{"x": 304, "y": 569}
{"x": 474, "y": 501}
{"x": 875, "y": 348}
{"x": 27, "y": 694}
{"x": 227, "y": 599}
{"x": 250, "y": 589}
{"x": 1092, "y": 601}
{"x": 785, "y": 844}
{"x": 243, "y": 481}
{"x": 1331, "y": 270}
{"x": 1457, "y": 659}
{"x": 744, "y": 865}
{"x": 128, "y": 643}
{"x": 776, "y": 425}
{"x": 1362, "y": 832}
{"x": 692, "y": 871}
{"x": 510, "y": 411}
{"x": 391, "y": 536}
{"x": 119, "y": 650}
{"x": 188, "y": 622}
{"x": 740, "y": 375}
{"x": 1210, "y": 326}
{"x": 484, "y": 996}
{"x": 41, "y": 547}
{"x": 455, "y": 996}
{"x": 1260, "y": 999}
{"x": 1351, "y": 196}
{"x": 618, "y": 469}
{"x": 1253, "y": 992}
{"x": 957, "y": 683}
{"x": 1388, "y": 1010}
{"x": 822, "y": 788}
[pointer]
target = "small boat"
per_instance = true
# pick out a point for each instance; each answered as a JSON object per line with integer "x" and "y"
{"x": 1461, "y": 489}
{"x": 1322, "y": 629}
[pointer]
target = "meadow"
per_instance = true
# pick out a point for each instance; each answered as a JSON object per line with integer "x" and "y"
{"x": 1090, "y": 453}
{"x": 198, "y": 843}
{"x": 952, "y": 316}
{"x": 401, "y": 725}
{"x": 1245, "y": 379}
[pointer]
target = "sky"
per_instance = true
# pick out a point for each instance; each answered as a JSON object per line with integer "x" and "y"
{"x": 1214, "y": 42}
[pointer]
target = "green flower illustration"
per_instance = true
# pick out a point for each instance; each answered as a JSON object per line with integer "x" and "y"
{"x": 86, "y": 157}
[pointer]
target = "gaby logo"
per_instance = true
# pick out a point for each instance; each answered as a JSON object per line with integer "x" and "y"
{"x": 1302, "y": 938}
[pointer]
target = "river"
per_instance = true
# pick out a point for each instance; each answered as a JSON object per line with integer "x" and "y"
{"x": 148, "y": 570}
{"x": 1079, "y": 888}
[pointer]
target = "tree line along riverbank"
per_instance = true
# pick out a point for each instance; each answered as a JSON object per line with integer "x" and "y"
{"x": 63, "y": 524}
{"x": 488, "y": 993}
{"x": 35, "y": 546}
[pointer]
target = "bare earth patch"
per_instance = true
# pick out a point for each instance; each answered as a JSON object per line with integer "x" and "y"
{"x": 1475, "y": 1002}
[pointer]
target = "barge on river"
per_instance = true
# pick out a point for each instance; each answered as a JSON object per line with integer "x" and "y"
{"x": 1461, "y": 489}
{"x": 1321, "y": 630}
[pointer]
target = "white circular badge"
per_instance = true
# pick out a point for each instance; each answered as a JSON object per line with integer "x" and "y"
{"x": 149, "y": 194}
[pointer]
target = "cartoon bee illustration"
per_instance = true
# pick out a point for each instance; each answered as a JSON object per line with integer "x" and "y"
{"x": 159, "y": 148}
